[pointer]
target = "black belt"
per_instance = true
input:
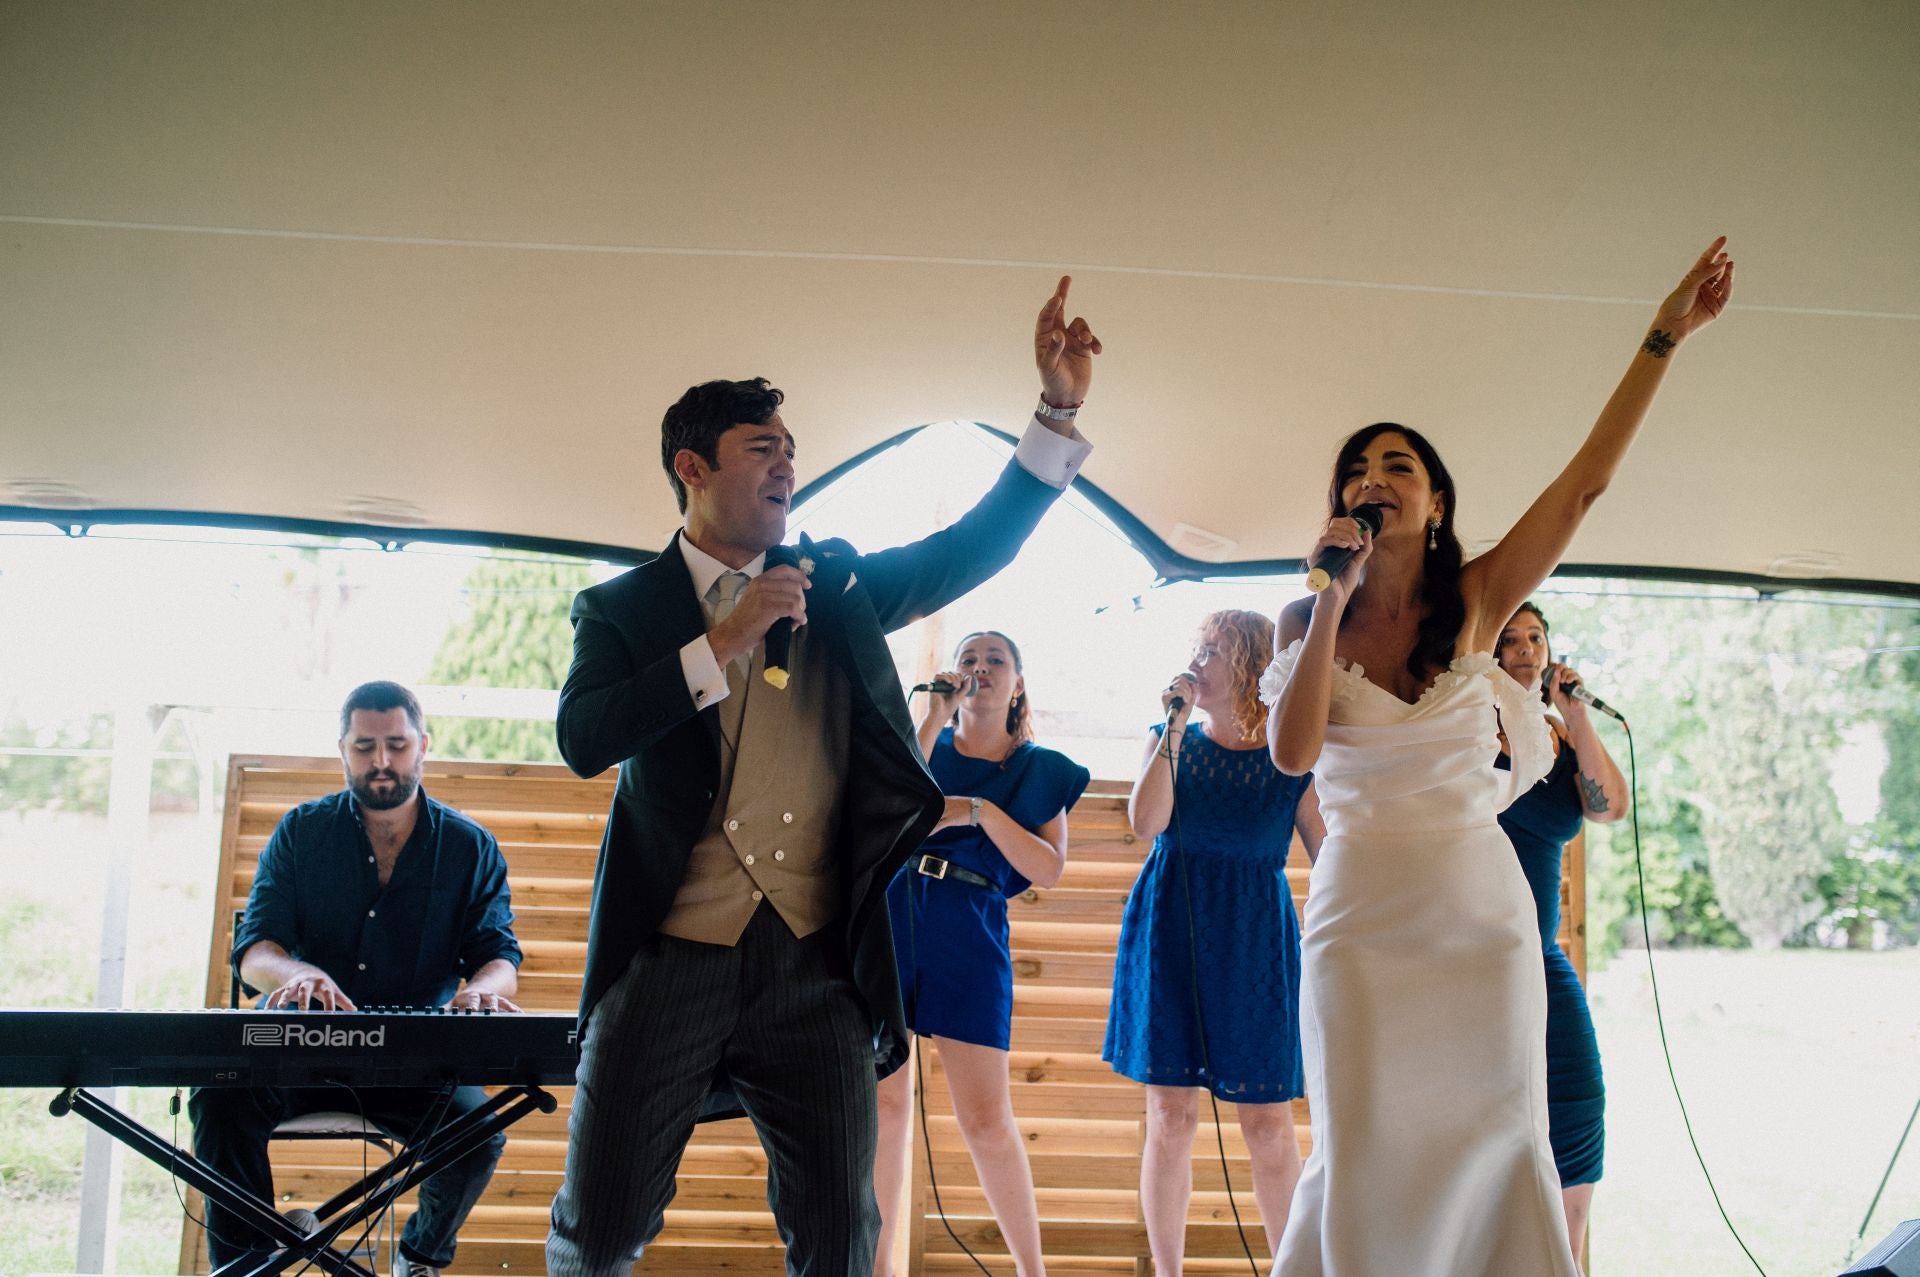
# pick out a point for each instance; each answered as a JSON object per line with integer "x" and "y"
{"x": 947, "y": 871}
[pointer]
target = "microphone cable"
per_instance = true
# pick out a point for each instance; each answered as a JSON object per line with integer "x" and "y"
{"x": 1646, "y": 931}
{"x": 173, "y": 1170}
{"x": 926, "y": 1135}
{"x": 920, "y": 1090}
{"x": 1193, "y": 973}
{"x": 1659, "y": 1016}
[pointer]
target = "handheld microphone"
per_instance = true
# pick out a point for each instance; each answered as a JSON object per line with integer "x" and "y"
{"x": 779, "y": 638}
{"x": 940, "y": 686}
{"x": 1579, "y": 693}
{"x": 1178, "y": 702}
{"x": 1334, "y": 557}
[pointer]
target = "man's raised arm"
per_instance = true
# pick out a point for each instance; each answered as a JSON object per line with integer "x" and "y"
{"x": 912, "y": 581}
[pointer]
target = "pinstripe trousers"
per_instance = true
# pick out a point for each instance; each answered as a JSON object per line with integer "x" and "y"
{"x": 780, "y": 1017}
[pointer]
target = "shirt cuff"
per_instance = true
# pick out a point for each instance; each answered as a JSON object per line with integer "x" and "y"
{"x": 705, "y": 681}
{"x": 510, "y": 951}
{"x": 1052, "y": 459}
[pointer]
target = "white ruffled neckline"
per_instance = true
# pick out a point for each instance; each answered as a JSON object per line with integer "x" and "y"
{"x": 1520, "y": 713}
{"x": 1468, "y": 665}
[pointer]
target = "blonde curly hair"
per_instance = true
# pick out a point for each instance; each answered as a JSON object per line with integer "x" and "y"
{"x": 1244, "y": 641}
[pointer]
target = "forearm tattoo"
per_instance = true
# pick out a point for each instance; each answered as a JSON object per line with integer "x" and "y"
{"x": 1659, "y": 344}
{"x": 1594, "y": 793}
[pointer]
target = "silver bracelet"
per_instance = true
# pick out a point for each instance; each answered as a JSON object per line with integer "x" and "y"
{"x": 1065, "y": 413}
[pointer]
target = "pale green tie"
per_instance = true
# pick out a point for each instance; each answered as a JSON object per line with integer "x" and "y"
{"x": 724, "y": 593}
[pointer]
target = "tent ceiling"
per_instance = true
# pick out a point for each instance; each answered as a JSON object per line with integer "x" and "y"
{"x": 446, "y": 263}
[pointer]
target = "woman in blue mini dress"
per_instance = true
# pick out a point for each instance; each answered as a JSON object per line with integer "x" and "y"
{"x": 1585, "y": 784}
{"x": 1210, "y": 927}
{"x": 1005, "y": 827}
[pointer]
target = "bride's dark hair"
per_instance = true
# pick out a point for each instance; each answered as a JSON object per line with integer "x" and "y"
{"x": 1440, "y": 574}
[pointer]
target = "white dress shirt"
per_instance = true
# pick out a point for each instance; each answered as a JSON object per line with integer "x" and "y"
{"x": 1051, "y": 458}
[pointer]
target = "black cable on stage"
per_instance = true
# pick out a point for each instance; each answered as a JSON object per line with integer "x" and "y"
{"x": 173, "y": 1167}
{"x": 920, "y": 1088}
{"x": 1659, "y": 1017}
{"x": 926, "y": 1136}
{"x": 1193, "y": 972}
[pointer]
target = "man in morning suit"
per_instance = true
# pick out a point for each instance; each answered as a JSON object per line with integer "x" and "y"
{"x": 739, "y": 937}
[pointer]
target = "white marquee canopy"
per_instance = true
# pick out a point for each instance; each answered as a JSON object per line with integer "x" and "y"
{"x": 442, "y": 265}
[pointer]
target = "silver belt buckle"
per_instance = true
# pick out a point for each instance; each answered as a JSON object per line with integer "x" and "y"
{"x": 933, "y": 860}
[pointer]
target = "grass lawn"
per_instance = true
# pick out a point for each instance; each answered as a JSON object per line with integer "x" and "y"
{"x": 52, "y": 875}
{"x": 40, "y": 1191}
{"x": 1799, "y": 1069}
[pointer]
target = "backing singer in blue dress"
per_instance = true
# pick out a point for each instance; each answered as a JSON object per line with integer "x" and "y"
{"x": 1005, "y": 828}
{"x": 1211, "y": 923}
{"x": 1584, "y": 784}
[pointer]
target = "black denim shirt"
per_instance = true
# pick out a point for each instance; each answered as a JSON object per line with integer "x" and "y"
{"x": 445, "y": 913}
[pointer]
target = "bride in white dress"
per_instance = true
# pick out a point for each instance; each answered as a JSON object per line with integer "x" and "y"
{"x": 1423, "y": 1010}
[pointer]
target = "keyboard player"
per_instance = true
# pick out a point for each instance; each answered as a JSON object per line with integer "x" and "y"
{"x": 376, "y": 896}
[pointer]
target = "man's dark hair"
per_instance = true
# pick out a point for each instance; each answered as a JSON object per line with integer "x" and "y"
{"x": 379, "y": 697}
{"x": 708, "y": 411}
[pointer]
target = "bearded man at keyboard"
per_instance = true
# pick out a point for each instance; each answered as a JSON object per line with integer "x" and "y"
{"x": 376, "y": 896}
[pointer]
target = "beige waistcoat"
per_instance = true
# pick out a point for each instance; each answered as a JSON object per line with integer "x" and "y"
{"x": 783, "y": 757}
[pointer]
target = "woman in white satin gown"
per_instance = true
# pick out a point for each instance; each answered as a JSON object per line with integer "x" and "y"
{"x": 1423, "y": 1006}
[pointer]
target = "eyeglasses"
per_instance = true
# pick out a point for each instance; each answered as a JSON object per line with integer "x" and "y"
{"x": 1204, "y": 654}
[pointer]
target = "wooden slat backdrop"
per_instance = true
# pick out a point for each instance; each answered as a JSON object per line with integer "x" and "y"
{"x": 1084, "y": 1124}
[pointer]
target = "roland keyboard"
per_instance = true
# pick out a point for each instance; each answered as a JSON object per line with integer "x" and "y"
{"x": 101, "y": 1048}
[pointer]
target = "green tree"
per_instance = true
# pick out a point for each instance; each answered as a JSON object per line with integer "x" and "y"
{"x": 1769, "y": 817}
{"x": 1898, "y": 670}
{"x": 516, "y": 635}
{"x": 1696, "y": 673}
{"x": 1645, "y": 651}
{"x": 1877, "y": 878}
{"x": 1874, "y": 880}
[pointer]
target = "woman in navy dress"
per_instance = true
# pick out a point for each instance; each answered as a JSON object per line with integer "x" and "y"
{"x": 1210, "y": 923}
{"x": 1584, "y": 784}
{"x": 1005, "y": 827}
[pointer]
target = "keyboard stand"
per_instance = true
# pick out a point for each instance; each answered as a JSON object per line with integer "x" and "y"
{"x": 359, "y": 1204}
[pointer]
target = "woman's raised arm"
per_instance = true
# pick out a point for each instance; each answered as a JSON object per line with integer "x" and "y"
{"x": 1501, "y": 579}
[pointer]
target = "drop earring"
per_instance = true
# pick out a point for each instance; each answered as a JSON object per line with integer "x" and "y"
{"x": 1433, "y": 535}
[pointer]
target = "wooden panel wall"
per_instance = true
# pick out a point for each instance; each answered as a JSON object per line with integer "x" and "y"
{"x": 1084, "y": 1124}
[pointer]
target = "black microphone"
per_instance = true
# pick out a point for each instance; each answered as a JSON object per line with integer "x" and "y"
{"x": 779, "y": 638}
{"x": 940, "y": 686}
{"x": 1335, "y": 557}
{"x": 1178, "y": 702}
{"x": 1579, "y": 693}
